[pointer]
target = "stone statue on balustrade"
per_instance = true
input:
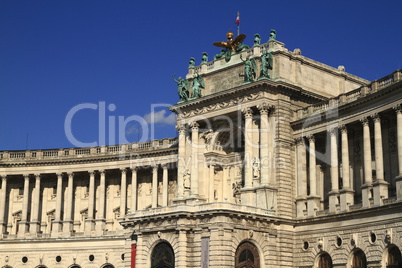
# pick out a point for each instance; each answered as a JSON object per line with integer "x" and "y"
{"x": 191, "y": 64}
{"x": 198, "y": 84}
{"x": 250, "y": 68}
{"x": 257, "y": 39}
{"x": 204, "y": 57}
{"x": 182, "y": 88}
{"x": 266, "y": 64}
{"x": 272, "y": 35}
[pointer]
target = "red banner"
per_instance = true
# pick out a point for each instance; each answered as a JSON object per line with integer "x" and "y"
{"x": 133, "y": 255}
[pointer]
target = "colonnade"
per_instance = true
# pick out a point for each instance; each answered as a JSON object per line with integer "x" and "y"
{"x": 63, "y": 222}
{"x": 373, "y": 191}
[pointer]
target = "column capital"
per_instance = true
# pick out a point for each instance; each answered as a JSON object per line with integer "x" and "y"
{"x": 398, "y": 108}
{"x": 364, "y": 121}
{"x": 123, "y": 170}
{"x": 3, "y": 177}
{"x": 59, "y": 174}
{"x": 332, "y": 131}
{"x": 181, "y": 128}
{"x": 263, "y": 108}
{"x": 155, "y": 167}
{"x": 26, "y": 176}
{"x": 376, "y": 117}
{"x": 102, "y": 171}
{"x": 194, "y": 126}
{"x": 248, "y": 113}
{"x": 38, "y": 175}
{"x": 134, "y": 169}
{"x": 343, "y": 129}
{"x": 92, "y": 172}
{"x": 311, "y": 138}
{"x": 70, "y": 174}
{"x": 299, "y": 141}
{"x": 164, "y": 165}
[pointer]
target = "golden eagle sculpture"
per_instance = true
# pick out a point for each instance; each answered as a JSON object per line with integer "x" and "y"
{"x": 231, "y": 44}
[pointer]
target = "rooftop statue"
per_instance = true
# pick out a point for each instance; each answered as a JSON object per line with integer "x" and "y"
{"x": 230, "y": 45}
{"x": 272, "y": 35}
{"x": 204, "y": 57}
{"x": 191, "y": 63}
{"x": 257, "y": 39}
{"x": 182, "y": 88}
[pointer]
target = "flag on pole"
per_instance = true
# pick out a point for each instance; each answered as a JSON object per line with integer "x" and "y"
{"x": 238, "y": 18}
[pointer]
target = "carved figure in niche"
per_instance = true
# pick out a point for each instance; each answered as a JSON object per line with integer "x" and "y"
{"x": 204, "y": 57}
{"x": 266, "y": 64}
{"x": 182, "y": 88}
{"x": 191, "y": 64}
{"x": 186, "y": 179}
{"x": 236, "y": 186}
{"x": 139, "y": 189}
{"x": 250, "y": 68}
{"x": 257, "y": 39}
{"x": 198, "y": 84}
{"x": 256, "y": 168}
{"x": 272, "y": 35}
{"x": 208, "y": 135}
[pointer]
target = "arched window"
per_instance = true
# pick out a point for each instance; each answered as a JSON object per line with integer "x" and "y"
{"x": 247, "y": 256}
{"x": 359, "y": 259}
{"x": 107, "y": 265}
{"x": 325, "y": 261}
{"x": 394, "y": 259}
{"x": 162, "y": 256}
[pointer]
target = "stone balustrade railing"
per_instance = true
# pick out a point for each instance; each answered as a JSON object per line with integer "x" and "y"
{"x": 350, "y": 96}
{"x": 86, "y": 152}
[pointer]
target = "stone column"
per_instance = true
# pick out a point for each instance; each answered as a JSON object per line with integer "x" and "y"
{"x": 35, "y": 223}
{"x": 346, "y": 193}
{"x": 123, "y": 192}
{"x": 225, "y": 184}
{"x": 368, "y": 180}
{"x": 23, "y": 224}
{"x": 398, "y": 179}
{"x": 68, "y": 221}
{"x": 313, "y": 200}
{"x": 247, "y": 192}
{"x": 165, "y": 183}
{"x": 100, "y": 219}
{"x": 334, "y": 193}
{"x": 211, "y": 194}
{"x": 380, "y": 186}
{"x": 265, "y": 161}
{"x": 155, "y": 186}
{"x": 194, "y": 160}
{"x": 89, "y": 222}
{"x": 182, "y": 249}
{"x": 181, "y": 161}
{"x": 3, "y": 224}
{"x": 301, "y": 197}
{"x": 133, "y": 207}
{"x": 57, "y": 215}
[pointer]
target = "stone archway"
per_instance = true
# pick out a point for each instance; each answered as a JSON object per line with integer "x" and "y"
{"x": 247, "y": 256}
{"x": 324, "y": 260}
{"x": 394, "y": 258}
{"x": 359, "y": 259}
{"x": 162, "y": 256}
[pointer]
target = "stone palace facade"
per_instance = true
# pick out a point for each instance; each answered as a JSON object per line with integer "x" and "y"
{"x": 298, "y": 168}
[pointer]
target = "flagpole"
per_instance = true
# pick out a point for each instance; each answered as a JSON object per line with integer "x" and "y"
{"x": 238, "y": 25}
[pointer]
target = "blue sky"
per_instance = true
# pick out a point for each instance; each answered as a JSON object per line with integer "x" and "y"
{"x": 121, "y": 55}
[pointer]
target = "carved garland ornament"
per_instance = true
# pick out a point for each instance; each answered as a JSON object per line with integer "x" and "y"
{"x": 221, "y": 105}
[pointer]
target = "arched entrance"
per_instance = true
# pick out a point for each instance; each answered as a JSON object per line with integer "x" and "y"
{"x": 359, "y": 259}
{"x": 325, "y": 261}
{"x": 162, "y": 256}
{"x": 394, "y": 259}
{"x": 247, "y": 256}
